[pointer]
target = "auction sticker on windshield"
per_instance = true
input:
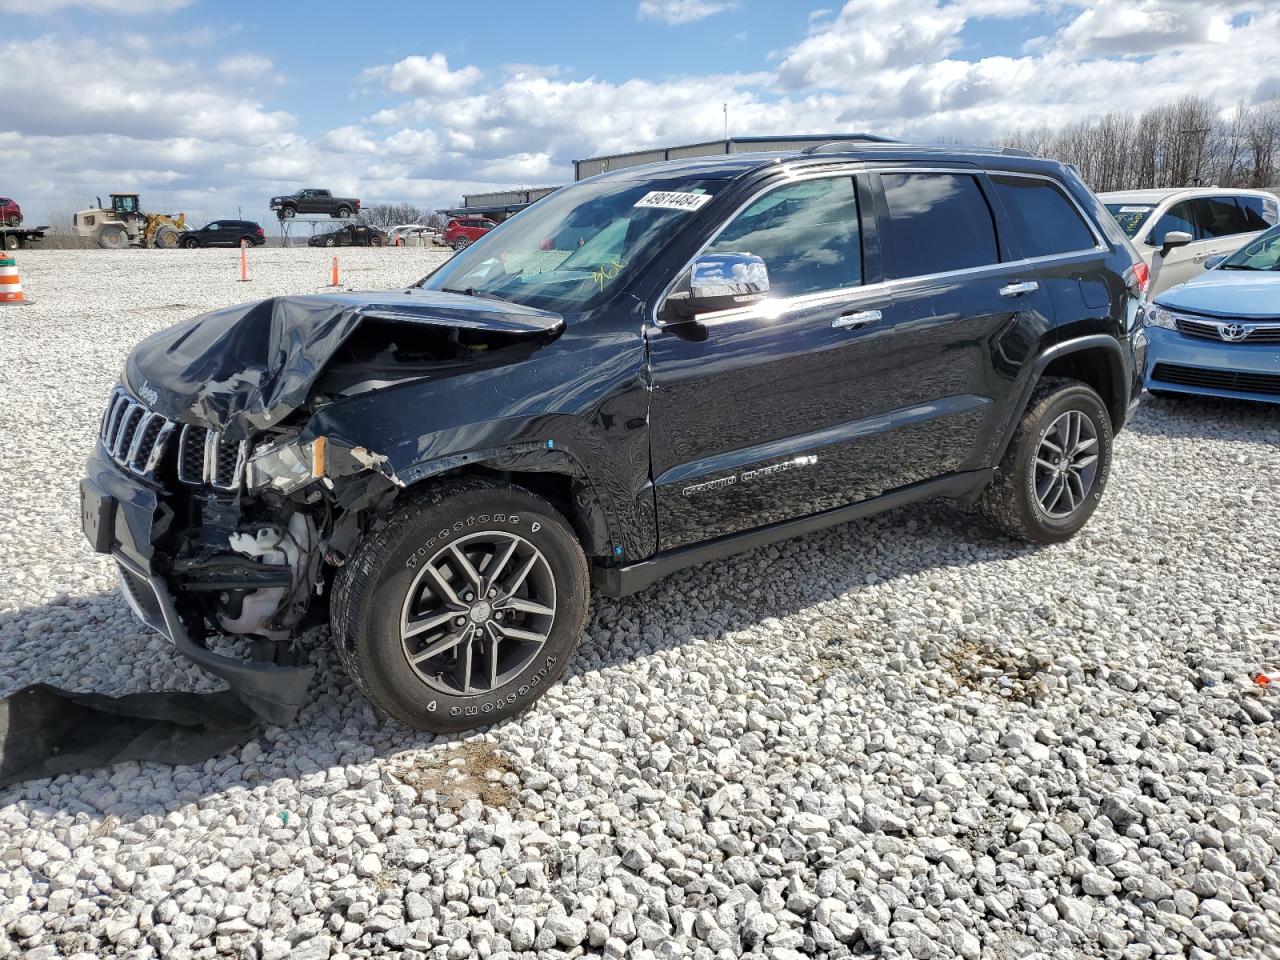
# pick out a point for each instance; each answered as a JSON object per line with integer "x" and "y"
{"x": 1135, "y": 209}
{"x": 673, "y": 200}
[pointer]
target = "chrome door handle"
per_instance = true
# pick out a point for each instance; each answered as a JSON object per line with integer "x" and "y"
{"x": 1018, "y": 289}
{"x": 854, "y": 320}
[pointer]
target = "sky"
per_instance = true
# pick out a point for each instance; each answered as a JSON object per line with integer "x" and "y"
{"x": 213, "y": 106}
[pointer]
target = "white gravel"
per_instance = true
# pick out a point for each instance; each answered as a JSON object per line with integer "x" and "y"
{"x": 905, "y": 737}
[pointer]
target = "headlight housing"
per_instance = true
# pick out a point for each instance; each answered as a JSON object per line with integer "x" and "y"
{"x": 285, "y": 465}
{"x": 1158, "y": 316}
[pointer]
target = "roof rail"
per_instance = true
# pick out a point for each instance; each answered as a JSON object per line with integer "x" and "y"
{"x": 843, "y": 144}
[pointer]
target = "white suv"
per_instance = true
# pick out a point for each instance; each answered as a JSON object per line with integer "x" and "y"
{"x": 1218, "y": 221}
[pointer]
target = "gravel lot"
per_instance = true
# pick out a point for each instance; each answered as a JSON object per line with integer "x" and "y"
{"x": 905, "y": 737}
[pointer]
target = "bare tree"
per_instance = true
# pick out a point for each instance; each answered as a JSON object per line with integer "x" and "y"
{"x": 1176, "y": 144}
{"x": 384, "y": 215}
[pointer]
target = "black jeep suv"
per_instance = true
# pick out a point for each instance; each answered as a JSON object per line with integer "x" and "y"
{"x": 655, "y": 367}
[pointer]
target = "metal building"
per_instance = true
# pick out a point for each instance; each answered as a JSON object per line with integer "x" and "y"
{"x": 617, "y": 161}
{"x": 501, "y": 204}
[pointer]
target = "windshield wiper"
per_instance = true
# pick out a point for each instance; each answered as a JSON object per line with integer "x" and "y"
{"x": 1236, "y": 266}
{"x": 473, "y": 292}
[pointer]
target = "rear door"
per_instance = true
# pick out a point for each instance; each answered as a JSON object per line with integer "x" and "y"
{"x": 1225, "y": 226}
{"x": 961, "y": 291}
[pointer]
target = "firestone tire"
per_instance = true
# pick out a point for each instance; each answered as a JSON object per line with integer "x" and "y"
{"x": 1020, "y": 501}
{"x": 388, "y": 584}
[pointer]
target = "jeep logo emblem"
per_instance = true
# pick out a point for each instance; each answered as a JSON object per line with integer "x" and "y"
{"x": 148, "y": 393}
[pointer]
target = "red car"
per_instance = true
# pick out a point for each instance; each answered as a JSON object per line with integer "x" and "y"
{"x": 461, "y": 232}
{"x": 10, "y": 212}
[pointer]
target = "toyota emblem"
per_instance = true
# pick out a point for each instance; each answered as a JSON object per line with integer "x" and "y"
{"x": 1234, "y": 332}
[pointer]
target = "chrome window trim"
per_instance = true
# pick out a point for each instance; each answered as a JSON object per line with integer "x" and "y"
{"x": 784, "y": 305}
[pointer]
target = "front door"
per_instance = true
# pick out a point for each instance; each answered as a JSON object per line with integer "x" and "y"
{"x": 759, "y": 421}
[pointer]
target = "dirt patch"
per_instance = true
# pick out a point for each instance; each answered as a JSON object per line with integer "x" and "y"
{"x": 469, "y": 771}
{"x": 1014, "y": 674}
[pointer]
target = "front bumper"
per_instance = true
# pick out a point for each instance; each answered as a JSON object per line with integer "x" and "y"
{"x": 118, "y": 515}
{"x": 1182, "y": 364}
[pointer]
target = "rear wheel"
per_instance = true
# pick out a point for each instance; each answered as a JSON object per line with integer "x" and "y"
{"x": 343, "y": 212}
{"x": 1055, "y": 471}
{"x": 465, "y": 608}
{"x": 11, "y": 242}
{"x": 14, "y": 220}
{"x": 462, "y": 243}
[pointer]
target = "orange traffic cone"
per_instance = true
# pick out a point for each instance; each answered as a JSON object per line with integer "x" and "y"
{"x": 10, "y": 284}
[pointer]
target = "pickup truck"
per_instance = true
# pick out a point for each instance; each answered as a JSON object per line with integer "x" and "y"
{"x": 312, "y": 200}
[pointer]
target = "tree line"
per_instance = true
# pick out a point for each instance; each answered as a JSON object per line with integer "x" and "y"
{"x": 1191, "y": 142}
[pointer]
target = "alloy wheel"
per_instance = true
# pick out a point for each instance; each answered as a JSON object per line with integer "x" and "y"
{"x": 478, "y": 612}
{"x": 1066, "y": 464}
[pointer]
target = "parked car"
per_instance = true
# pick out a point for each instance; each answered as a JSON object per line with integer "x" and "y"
{"x": 748, "y": 347}
{"x": 314, "y": 200}
{"x": 10, "y": 212}
{"x": 1217, "y": 221}
{"x": 352, "y": 235}
{"x": 461, "y": 232}
{"x": 224, "y": 233}
{"x": 406, "y": 231}
{"x": 1219, "y": 333}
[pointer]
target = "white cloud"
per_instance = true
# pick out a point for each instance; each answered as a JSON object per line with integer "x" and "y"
{"x": 1140, "y": 27}
{"x": 871, "y": 35}
{"x": 680, "y": 11}
{"x": 39, "y": 7}
{"x": 244, "y": 66}
{"x": 423, "y": 76}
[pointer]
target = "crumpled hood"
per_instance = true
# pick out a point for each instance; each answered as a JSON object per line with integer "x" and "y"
{"x": 245, "y": 368}
{"x": 1227, "y": 293}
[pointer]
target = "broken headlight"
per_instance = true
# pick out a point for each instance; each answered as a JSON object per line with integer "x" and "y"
{"x": 285, "y": 465}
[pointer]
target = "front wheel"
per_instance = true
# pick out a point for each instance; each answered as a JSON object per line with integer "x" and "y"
{"x": 11, "y": 241}
{"x": 288, "y": 213}
{"x": 191, "y": 243}
{"x": 14, "y": 220}
{"x": 1055, "y": 471}
{"x": 465, "y": 608}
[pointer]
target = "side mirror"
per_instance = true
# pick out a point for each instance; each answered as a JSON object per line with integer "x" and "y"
{"x": 1174, "y": 239}
{"x": 1216, "y": 259}
{"x": 721, "y": 281}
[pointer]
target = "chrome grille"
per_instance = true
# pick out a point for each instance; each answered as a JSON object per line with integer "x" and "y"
{"x": 204, "y": 458}
{"x": 134, "y": 436}
{"x": 1209, "y": 330}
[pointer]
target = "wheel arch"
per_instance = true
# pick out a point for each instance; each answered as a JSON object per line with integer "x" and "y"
{"x": 549, "y": 473}
{"x": 1096, "y": 360}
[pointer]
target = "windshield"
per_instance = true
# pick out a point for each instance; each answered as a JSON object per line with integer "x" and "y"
{"x": 1130, "y": 216}
{"x": 572, "y": 248}
{"x": 1261, "y": 253}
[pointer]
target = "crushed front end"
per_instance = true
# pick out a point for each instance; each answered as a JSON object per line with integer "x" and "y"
{"x": 225, "y": 511}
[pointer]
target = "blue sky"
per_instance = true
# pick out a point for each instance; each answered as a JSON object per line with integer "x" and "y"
{"x": 210, "y": 105}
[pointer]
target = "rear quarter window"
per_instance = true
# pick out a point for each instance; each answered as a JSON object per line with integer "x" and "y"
{"x": 1046, "y": 219}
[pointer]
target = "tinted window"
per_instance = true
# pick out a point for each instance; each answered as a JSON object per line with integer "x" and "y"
{"x": 1179, "y": 217}
{"x": 1048, "y": 221}
{"x": 1259, "y": 213}
{"x": 806, "y": 233}
{"x": 214, "y": 226}
{"x": 1219, "y": 217}
{"x": 940, "y": 222}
